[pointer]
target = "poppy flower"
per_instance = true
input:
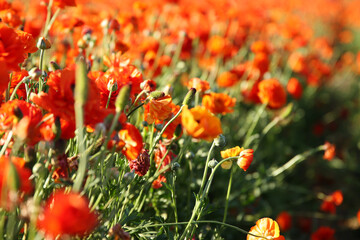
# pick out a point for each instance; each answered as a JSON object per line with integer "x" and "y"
{"x": 198, "y": 84}
{"x": 12, "y": 47}
{"x": 330, "y": 202}
{"x": 14, "y": 177}
{"x": 158, "y": 182}
{"x": 160, "y": 154}
{"x": 265, "y": 227}
{"x": 218, "y": 103}
{"x": 272, "y": 92}
{"x": 48, "y": 128}
{"x": 227, "y": 79}
{"x": 330, "y": 151}
{"x": 294, "y": 88}
{"x": 245, "y": 159}
{"x": 358, "y": 216}
{"x": 159, "y": 108}
{"x": 200, "y": 123}
{"x": 231, "y": 152}
{"x": 21, "y": 117}
{"x": 323, "y": 233}
{"x": 16, "y": 78}
{"x": 128, "y": 140}
{"x": 67, "y": 214}
{"x": 64, "y": 3}
{"x": 284, "y": 221}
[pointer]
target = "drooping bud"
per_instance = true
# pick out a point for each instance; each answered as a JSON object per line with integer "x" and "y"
{"x": 220, "y": 141}
{"x": 212, "y": 163}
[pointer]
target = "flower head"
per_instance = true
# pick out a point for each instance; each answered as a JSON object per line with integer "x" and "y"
{"x": 265, "y": 227}
{"x": 272, "y": 93}
{"x": 67, "y": 214}
{"x": 330, "y": 152}
{"x": 218, "y": 103}
{"x": 200, "y": 123}
{"x": 294, "y": 88}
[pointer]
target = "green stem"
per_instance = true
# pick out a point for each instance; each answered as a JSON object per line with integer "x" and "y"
{"x": 132, "y": 111}
{"x": 109, "y": 97}
{"x": 228, "y": 192}
{"x": 163, "y": 130}
{"x": 296, "y": 160}
{"x": 173, "y": 196}
{"x": 41, "y": 67}
{"x": 17, "y": 87}
{"x": 253, "y": 125}
{"x": 206, "y": 168}
{"x": 8, "y": 139}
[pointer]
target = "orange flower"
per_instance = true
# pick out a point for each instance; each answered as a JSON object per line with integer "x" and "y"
{"x": 218, "y": 45}
{"x": 265, "y": 227}
{"x": 227, "y": 79}
{"x": 330, "y": 152}
{"x": 294, "y": 88}
{"x": 8, "y": 179}
{"x": 67, "y": 129}
{"x": 159, "y": 108}
{"x": 160, "y": 153}
{"x": 358, "y": 216}
{"x": 218, "y": 103}
{"x": 200, "y": 123}
{"x": 323, "y": 233}
{"x": 67, "y": 214}
{"x": 245, "y": 159}
{"x": 130, "y": 141}
{"x": 284, "y": 221}
{"x": 330, "y": 202}
{"x": 64, "y": 3}
{"x": 231, "y": 152}
{"x": 158, "y": 182}
{"x": 260, "y": 47}
{"x": 198, "y": 84}
{"x": 23, "y": 118}
{"x": 272, "y": 92}
{"x": 11, "y": 47}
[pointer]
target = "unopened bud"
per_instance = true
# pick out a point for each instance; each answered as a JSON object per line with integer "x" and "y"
{"x": 189, "y": 96}
{"x": 54, "y": 66}
{"x": 220, "y": 141}
{"x": 189, "y": 155}
{"x": 112, "y": 86}
{"x": 81, "y": 83}
{"x": 34, "y": 73}
{"x": 212, "y": 163}
{"x": 157, "y": 94}
{"x": 122, "y": 98}
{"x": 175, "y": 166}
{"x": 43, "y": 43}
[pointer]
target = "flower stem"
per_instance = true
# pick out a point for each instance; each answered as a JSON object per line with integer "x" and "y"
{"x": 228, "y": 193}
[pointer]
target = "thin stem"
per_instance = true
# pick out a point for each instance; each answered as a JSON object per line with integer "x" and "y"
{"x": 41, "y": 80}
{"x": 206, "y": 167}
{"x": 4, "y": 147}
{"x": 296, "y": 160}
{"x": 228, "y": 192}
{"x": 203, "y": 221}
{"x": 109, "y": 97}
{"x": 253, "y": 125}
{"x": 17, "y": 87}
{"x": 163, "y": 130}
{"x": 132, "y": 111}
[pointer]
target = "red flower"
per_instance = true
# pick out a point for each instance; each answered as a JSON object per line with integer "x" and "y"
{"x": 284, "y": 221}
{"x": 294, "y": 88}
{"x": 272, "y": 93}
{"x": 245, "y": 159}
{"x": 329, "y": 153}
{"x": 67, "y": 214}
{"x": 323, "y": 233}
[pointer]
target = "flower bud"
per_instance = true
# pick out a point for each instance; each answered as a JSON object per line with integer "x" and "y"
{"x": 34, "y": 73}
{"x": 122, "y": 98}
{"x": 220, "y": 141}
{"x": 112, "y": 86}
{"x": 189, "y": 155}
{"x": 157, "y": 94}
{"x": 189, "y": 96}
{"x": 54, "y": 66}
{"x": 212, "y": 163}
{"x": 175, "y": 166}
{"x": 43, "y": 43}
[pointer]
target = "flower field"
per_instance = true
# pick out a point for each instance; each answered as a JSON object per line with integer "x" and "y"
{"x": 179, "y": 119}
